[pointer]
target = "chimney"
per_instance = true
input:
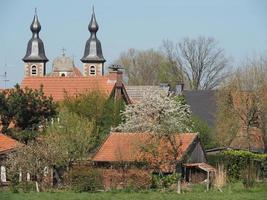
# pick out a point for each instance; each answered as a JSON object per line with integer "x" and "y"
{"x": 115, "y": 76}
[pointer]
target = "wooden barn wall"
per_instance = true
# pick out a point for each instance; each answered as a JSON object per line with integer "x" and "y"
{"x": 197, "y": 155}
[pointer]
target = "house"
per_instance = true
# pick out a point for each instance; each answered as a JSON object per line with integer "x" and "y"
{"x": 126, "y": 150}
{"x": 66, "y": 78}
{"x": 7, "y": 145}
{"x": 202, "y": 102}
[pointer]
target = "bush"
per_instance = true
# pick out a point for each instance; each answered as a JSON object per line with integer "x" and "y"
{"x": 240, "y": 163}
{"x": 160, "y": 181}
{"x": 85, "y": 179}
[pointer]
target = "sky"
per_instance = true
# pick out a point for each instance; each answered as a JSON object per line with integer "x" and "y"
{"x": 239, "y": 26}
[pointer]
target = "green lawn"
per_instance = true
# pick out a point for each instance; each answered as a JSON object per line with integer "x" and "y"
{"x": 233, "y": 192}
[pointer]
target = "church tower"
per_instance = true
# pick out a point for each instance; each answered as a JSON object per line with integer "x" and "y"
{"x": 93, "y": 60}
{"x": 35, "y": 58}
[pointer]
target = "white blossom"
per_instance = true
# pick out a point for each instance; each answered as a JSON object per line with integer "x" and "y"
{"x": 157, "y": 113}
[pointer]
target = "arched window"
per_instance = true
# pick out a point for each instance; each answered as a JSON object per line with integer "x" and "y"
{"x": 33, "y": 70}
{"x": 92, "y": 71}
{"x": 62, "y": 74}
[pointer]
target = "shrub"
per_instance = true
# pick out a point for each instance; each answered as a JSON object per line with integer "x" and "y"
{"x": 85, "y": 179}
{"x": 160, "y": 181}
{"x": 239, "y": 164}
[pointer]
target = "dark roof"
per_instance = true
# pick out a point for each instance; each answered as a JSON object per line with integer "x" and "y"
{"x": 93, "y": 49}
{"x": 35, "y": 49}
{"x": 203, "y": 104}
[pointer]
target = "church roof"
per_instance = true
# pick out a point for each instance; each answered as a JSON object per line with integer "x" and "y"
{"x": 63, "y": 64}
{"x": 58, "y": 87}
{"x": 35, "y": 48}
{"x": 93, "y": 49}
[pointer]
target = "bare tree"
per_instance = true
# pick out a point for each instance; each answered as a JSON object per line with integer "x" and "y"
{"x": 147, "y": 67}
{"x": 201, "y": 60}
{"x": 242, "y": 104}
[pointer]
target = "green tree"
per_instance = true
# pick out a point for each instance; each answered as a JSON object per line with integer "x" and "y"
{"x": 98, "y": 108}
{"x": 205, "y": 132}
{"x": 26, "y": 109}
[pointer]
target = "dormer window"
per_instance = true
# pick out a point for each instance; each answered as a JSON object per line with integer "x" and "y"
{"x": 34, "y": 70}
{"x": 92, "y": 71}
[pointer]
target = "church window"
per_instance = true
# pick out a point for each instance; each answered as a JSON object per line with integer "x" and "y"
{"x": 92, "y": 70}
{"x": 33, "y": 70}
{"x": 62, "y": 74}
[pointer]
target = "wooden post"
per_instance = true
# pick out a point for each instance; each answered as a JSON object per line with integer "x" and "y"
{"x": 208, "y": 180}
{"x": 179, "y": 186}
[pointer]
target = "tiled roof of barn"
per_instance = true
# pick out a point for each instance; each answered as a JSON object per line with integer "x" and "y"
{"x": 58, "y": 87}
{"x": 8, "y": 144}
{"x": 124, "y": 146}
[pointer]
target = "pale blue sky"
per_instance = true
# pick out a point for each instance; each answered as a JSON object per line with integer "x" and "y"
{"x": 240, "y": 26}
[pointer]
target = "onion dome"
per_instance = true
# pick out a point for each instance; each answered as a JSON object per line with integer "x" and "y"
{"x": 35, "y": 49}
{"x": 93, "y": 49}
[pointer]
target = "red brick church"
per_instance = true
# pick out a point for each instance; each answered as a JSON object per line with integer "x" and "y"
{"x": 66, "y": 78}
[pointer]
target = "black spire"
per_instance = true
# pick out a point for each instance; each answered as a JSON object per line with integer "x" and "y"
{"x": 35, "y": 49}
{"x": 93, "y": 49}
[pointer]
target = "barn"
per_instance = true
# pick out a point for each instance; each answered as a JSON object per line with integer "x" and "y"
{"x": 127, "y": 150}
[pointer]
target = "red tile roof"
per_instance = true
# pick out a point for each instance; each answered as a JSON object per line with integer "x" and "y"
{"x": 8, "y": 144}
{"x": 125, "y": 146}
{"x": 57, "y": 87}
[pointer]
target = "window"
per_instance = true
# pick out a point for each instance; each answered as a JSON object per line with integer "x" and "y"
{"x": 62, "y": 74}
{"x": 92, "y": 71}
{"x": 33, "y": 70}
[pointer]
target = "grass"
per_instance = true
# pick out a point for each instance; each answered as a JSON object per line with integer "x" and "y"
{"x": 235, "y": 192}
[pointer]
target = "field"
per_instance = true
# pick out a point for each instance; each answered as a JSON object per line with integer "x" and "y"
{"x": 234, "y": 192}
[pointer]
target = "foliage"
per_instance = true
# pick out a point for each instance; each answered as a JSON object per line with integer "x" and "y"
{"x": 205, "y": 132}
{"x": 95, "y": 106}
{"x": 72, "y": 135}
{"x": 163, "y": 115}
{"x": 242, "y": 102}
{"x": 26, "y": 109}
{"x": 85, "y": 179}
{"x": 148, "y": 67}
{"x": 164, "y": 118}
{"x": 63, "y": 142}
{"x": 126, "y": 178}
{"x": 34, "y": 158}
{"x": 160, "y": 181}
{"x": 237, "y": 162}
{"x": 230, "y": 192}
